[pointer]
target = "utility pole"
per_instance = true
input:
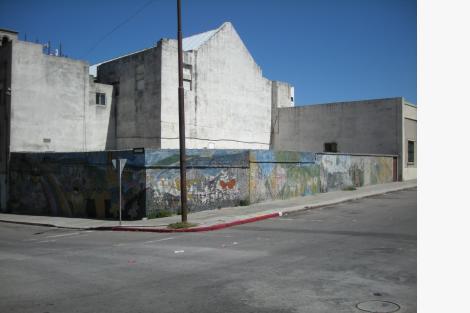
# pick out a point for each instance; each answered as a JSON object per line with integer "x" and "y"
{"x": 184, "y": 208}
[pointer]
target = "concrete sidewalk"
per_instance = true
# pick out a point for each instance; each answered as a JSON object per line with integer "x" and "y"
{"x": 214, "y": 219}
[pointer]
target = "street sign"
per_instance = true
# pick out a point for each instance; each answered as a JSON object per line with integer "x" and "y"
{"x": 119, "y": 166}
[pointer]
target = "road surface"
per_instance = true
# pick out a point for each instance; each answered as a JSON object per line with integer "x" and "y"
{"x": 322, "y": 260}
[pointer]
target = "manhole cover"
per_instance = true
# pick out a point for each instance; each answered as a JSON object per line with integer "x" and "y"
{"x": 376, "y": 306}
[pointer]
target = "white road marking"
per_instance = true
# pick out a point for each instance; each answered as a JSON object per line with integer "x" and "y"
{"x": 45, "y": 241}
{"x": 63, "y": 235}
{"x": 157, "y": 240}
{"x": 179, "y": 251}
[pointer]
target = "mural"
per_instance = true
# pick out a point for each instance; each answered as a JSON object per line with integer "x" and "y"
{"x": 86, "y": 184}
{"x": 214, "y": 178}
{"x": 76, "y": 185}
{"x": 341, "y": 171}
{"x": 283, "y": 175}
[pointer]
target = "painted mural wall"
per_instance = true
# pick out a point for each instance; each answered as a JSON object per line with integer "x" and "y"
{"x": 214, "y": 178}
{"x": 86, "y": 184}
{"x": 342, "y": 171}
{"x": 76, "y": 185}
{"x": 282, "y": 175}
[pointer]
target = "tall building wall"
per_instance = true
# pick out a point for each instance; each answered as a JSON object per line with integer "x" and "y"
{"x": 137, "y": 97}
{"x": 410, "y": 134}
{"x": 229, "y": 104}
{"x": 371, "y": 126}
{"x": 282, "y": 96}
{"x": 6, "y": 43}
{"x": 53, "y": 104}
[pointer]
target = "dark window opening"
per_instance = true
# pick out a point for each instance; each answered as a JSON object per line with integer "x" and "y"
{"x": 100, "y": 98}
{"x": 411, "y": 151}
{"x": 292, "y": 99}
{"x": 331, "y": 147}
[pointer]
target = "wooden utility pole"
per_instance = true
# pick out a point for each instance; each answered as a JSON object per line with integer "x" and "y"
{"x": 184, "y": 208}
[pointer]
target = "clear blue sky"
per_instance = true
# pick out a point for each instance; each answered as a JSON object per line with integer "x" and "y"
{"x": 330, "y": 50}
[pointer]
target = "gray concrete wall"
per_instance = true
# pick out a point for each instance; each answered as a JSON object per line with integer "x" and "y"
{"x": 52, "y": 109}
{"x": 229, "y": 106}
{"x": 281, "y": 97}
{"x": 6, "y": 39}
{"x": 99, "y": 118}
{"x": 371, "y": 126}
{"x": 410, "y": 133}
{"x": 137, "y": 100}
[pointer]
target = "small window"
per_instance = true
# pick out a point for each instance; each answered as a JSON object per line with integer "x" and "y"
{"x": 187, "y": 85}
{"x": 411, "y": 152}
{"x": 100, "y": 98}
{"x": 331, "y": 147}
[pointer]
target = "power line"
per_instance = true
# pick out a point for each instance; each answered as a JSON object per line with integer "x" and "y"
{"x": 124, "y": 22}
{"x": 96, "y": 44}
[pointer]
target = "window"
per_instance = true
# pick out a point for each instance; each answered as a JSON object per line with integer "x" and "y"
{"x": 187, "y": 77}
{"x": 411, "y": 152}
{"x": 100, "y": 98}
{"x": 331, "y": 147}
{"x": 187, "y": 84}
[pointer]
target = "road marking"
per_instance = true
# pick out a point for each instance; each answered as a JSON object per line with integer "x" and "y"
{"x": 63, "y": 235}
{"x": 157, "y": 240}
{"x": 179, "y": 251}
{"x": 45, "y": 241}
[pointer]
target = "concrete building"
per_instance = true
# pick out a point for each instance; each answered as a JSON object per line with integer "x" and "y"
{"x": 52, "y": 103}
{"x": 228, "y": 102}
{"x": 380, "y": 126}
{"x": 47, "y": 103}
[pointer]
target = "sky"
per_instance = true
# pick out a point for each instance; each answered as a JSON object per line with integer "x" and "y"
{"x": 329, "y": 50}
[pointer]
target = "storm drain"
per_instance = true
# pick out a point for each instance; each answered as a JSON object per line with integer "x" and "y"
{"x": 377, "y": 306}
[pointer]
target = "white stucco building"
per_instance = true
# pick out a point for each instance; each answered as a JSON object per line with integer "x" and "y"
{"x": 227, "y": 100}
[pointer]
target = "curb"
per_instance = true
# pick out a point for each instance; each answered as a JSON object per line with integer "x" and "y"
{"x": 191, "y": 230}
{"x": 215, "y": 226}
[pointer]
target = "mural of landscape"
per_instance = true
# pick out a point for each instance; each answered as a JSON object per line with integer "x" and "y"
{"x": 283, "y": 175}
{"x": 215, "y": 179}
{"x": 86, "y": 184}
{"x": 342, "y": 171}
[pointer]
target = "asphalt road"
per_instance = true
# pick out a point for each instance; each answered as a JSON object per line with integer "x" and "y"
{"x": 322, "y": 260}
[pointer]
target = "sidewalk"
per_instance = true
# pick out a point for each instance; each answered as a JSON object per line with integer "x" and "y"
{"x": 213, "y": 219}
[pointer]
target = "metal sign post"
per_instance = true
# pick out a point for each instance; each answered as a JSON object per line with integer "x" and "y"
{"x": 119, "y": 166}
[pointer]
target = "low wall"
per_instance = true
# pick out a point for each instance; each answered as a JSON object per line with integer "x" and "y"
{"x": 282, "y": 175}
{"x": 86, "y": 185}
{"x": 214, "y": 179}
{"x": 76, "y": 184}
